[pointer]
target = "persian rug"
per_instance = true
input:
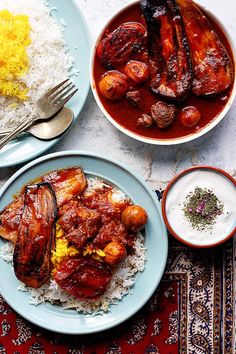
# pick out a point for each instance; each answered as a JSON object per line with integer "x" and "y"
{"x": 191, "y": 312}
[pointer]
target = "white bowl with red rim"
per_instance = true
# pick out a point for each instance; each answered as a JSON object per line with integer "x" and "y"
{"x": 156, "y": 141}
{"x": 222, "y": 184}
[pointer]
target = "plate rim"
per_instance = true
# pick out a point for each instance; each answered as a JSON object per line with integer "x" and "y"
{"x": 50, "y": 143}
{"x": 157, "y": 204}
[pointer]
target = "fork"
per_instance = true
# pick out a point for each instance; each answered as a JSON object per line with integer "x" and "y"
{"x": 46, "y": 107}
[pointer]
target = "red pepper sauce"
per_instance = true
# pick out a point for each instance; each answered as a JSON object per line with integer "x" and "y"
{"x": 126, "y": 115}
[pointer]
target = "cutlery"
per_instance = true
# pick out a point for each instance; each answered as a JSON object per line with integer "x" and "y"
{"x": 46, "y": 107}
{"x": 50, "y": 129}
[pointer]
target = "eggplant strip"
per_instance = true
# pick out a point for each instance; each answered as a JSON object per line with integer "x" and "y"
{"x": 35, "y": 241}
{"x": 213, "y": 68}
{"x": 10, "y": 218}
{"x": 169, "y": 53}
{"x": 121, "y": 45}
{"x": 67, "y": 183}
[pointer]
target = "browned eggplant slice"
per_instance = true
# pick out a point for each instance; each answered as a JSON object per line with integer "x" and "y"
{"x": 120, "y": 45}
{"x": 67, "y": 183}
{"x": 35, "y": 241}
{"x": 169, "y": 53}
{"x": 213, "y": 68}
{"x": 10, "y": 218}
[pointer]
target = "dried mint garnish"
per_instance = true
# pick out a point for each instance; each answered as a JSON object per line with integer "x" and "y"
{"x": 201, "y": 208}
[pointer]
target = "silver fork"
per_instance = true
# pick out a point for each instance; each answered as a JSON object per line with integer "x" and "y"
{"x": 46, "y": 107}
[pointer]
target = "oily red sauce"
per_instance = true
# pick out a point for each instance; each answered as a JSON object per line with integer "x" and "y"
{"x": 126, "y": 115}
{"x": 100, "y": 203}
{"x": 84, "y": 276}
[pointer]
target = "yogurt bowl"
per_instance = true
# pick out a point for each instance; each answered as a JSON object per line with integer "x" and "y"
{"x": 199, "y": 206}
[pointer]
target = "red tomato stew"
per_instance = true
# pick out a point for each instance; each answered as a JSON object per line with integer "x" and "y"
{"x": 77, "y": 232}
{"x": 153, "y": 79}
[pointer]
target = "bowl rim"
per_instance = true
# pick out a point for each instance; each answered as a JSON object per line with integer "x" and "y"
{"x": 172, "y": 141}
{"x": 164, "y": 212}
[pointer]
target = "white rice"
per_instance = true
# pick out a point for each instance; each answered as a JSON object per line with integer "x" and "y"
{"x": 50, "y": 60}
{"x": 120, "y": 284}
{"x": 7, "y": 251}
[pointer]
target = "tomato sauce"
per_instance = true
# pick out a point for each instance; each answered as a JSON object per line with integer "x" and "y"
{"x": 126, "y": 115}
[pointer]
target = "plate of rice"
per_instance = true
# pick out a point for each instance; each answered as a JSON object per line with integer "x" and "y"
{"x": 132, "y": 283}
{"x": 42, "y": 43}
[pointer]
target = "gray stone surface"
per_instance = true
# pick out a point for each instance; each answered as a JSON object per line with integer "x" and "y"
{"x": 157, "y": 164}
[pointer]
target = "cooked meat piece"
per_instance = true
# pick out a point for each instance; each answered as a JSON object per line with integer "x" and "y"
{"x": 213, "y": 68}
{"x": 134, "y": 98}
{"x": 163, "y": 114}
{"x": 112, "y": 231}
{"x": 35, "y": 241}
{"x": 78, "y": 215}
{"x": 120, "y": 45}
{"x": 68, "y": 214}
{"x": 78, "y": 222}
{"x": 77, "y": 237}
{"x": 90, "y": 222}
{"x": 68, "y": 207}
{"x": 10, "y": 219}
{"x": 100, "y": 202}
{"x": 170, "y": 60}
{"x": 66, "y": 183}
{"x": 83, "y": 277}
{"x": 85, "y": 231}
{"x": 145, "y": 121}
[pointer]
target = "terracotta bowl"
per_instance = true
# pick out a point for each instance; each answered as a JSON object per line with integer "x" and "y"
{"x": 183, "y": 236}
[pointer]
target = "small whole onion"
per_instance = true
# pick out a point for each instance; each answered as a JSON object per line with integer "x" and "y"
{"x": 137, "y": 71}
{"x": 113, "y": 85}
{"x": 115, "y": 253}
{"x": 189, "y": 116}
{"x": 134, "y": 217}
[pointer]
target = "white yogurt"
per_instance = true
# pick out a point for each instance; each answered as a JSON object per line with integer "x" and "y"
{"x": 225, "y": 191}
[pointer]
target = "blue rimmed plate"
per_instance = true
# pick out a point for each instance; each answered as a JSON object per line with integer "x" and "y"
{"x": 78, "y": 41}
{"x": 53, "y": 317}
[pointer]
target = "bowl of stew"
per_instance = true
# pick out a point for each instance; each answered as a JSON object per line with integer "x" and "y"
{"x": 164, "y": 75}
